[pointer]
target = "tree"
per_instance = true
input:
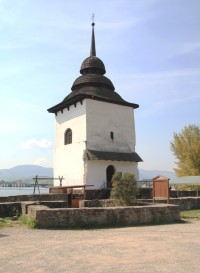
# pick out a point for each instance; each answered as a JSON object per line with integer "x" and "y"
{"x": 124, "y": 188}
{"x": 186, "y": 148}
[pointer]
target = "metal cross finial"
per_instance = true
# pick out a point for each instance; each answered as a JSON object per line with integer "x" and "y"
{"x": 93, "y": 15}
{"x": 93, "y": 49}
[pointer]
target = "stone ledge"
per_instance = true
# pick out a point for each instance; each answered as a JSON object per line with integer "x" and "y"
{"x": 103, "y": 217}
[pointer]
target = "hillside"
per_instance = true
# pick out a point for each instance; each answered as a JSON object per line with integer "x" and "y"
{"x": 24, "y": 172}
{"x": 149, "y": 174}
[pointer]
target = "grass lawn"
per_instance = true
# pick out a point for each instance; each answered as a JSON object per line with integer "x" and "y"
{"x": 8, "y": 222}
{"x": 190, "y": 215}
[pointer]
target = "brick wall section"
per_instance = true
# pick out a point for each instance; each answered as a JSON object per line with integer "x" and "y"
{"x": 103, "y": 217}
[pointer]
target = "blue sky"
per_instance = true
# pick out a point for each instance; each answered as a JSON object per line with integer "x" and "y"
{"x": 151, "y": 51}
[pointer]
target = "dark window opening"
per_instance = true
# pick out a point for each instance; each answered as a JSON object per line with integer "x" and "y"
{"x": 109, "y": 174}
{"x": 112, "y": 135}
{"x": 68, "y": 136}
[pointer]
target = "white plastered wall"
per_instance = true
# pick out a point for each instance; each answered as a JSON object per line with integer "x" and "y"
{"x": 104, "y": 118}
{"x": 91, "y": 123}
{"x": 96, "y": 171}
{"x": 68, "y": 159}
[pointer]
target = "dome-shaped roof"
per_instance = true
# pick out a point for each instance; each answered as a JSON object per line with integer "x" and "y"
{"x": 92, "y": 84}
{"x": 92, "y": 64}
{"x": 92, "y": 80}
{"x": 102, "y": 93}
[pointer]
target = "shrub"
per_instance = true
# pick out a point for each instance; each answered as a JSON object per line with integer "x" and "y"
{"x": 31, "y": 223}
{"x": 124, "y": 188}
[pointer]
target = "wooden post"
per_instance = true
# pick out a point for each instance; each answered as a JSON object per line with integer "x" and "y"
{"x": 36, "y": 183}
{"x": 60, "y": 179}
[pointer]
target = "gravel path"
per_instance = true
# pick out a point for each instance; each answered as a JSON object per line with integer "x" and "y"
{"x": 165, "y": 248}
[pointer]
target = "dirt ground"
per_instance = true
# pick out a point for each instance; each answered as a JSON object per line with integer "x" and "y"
{"x": 164, "y": 248}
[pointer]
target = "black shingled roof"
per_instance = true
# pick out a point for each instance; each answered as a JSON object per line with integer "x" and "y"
{"x": 113, "y": 156}
{"x": 92, "y": 85}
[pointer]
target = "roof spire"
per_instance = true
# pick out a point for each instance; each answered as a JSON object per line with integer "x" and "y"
{"x": 93, "y": 49}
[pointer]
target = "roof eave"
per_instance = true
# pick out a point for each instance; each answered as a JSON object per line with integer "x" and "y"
{"x": 113, "y": 156}
{"x": 67, "y": 103}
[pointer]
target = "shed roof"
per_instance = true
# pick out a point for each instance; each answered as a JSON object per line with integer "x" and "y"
{"x": 113, "y": 156}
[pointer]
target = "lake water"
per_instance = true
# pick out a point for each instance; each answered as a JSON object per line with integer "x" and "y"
{"x": 8, "y": 191}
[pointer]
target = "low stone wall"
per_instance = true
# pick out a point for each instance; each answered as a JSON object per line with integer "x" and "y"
{"x": 10, "y": 209}
{"x": 15, "y": 208}
{"x": 34, "y": 197}
{"x": 49, "y": 204}
{"x": 103, "y": 217}
{"x": 186, "y": 203}
{"x": 98, "y": 203}
{"x": 186, "y": 193}
{"x": 147, "y": 193}
{"x": 107, "y": 203}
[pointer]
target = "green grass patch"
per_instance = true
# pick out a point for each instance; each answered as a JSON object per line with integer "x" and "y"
{"x": 191, "y": 214}
{"x": 2, "y": 222}
{"x": 9, "y": 222}
{"x": 21, "y": 221}
{"x": 27, "y": 221}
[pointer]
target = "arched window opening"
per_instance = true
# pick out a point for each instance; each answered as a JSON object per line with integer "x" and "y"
{"x": 109, "y": 174}
{"x": 68, "y": 136}
{"x": 112, "y": 135}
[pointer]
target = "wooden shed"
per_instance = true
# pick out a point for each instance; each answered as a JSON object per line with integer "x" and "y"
{"x": 161, "y": 188}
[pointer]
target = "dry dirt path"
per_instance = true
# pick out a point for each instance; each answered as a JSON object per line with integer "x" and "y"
{"x": 155, "y": 249}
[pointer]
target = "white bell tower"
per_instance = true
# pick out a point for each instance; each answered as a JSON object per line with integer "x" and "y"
{"x": 94, "y": 129}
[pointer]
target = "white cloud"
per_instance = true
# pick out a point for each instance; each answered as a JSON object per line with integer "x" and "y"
{"x": 32, "y": 143}
{"x": 41, "y": 161}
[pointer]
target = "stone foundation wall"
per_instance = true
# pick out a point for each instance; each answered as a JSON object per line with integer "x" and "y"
{"x": 103, "y": 217}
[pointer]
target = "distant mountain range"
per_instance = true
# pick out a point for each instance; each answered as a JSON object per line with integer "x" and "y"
{"x": 149, "y": 174}
{"x": 24, "y": 172}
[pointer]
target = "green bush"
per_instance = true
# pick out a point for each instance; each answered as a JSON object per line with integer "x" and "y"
{"x": 124, "y": 188}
